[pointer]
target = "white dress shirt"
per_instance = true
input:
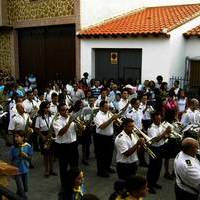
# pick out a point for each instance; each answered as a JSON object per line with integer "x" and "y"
{"x": 187, "y": 169}
{"x": 29, "y": 105}
{"x": 155, "y": 131}
{"x": 136, "y": 116}
{"x": 190, "y": 117}
{"x": 18, "y": 122}
{"x": 68, "y": 137}
{"x": 122, "y": 103}
{"x": 101, "y": 118}
{"x": 43, "y": 123}
{"x": 123, "y": 143}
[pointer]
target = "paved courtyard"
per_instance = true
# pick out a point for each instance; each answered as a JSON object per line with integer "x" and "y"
{"x": 47, "y": 188}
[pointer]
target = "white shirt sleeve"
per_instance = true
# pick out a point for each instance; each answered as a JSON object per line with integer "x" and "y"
{"x": 11, "y": 125}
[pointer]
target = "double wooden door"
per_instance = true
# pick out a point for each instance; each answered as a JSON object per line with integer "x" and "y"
{"x": 48, "y": 52}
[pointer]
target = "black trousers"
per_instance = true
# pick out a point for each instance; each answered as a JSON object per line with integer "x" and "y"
{"x": 67, "y": 156}
{"x": 183, "y": 195}
{"x": 155, "y": 166}
{"x": 125, "y": 170}
{"x": 104, "y": 152}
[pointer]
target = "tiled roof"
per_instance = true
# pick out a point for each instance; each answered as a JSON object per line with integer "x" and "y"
{"x": 148, "y": 21}
{"x": 192, "y": 33}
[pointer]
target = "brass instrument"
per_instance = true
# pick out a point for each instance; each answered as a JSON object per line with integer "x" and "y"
{"x": 145, "y": 146}
{"x": 51, "y": 135}
{"x": 148, "y": 140}
{"x": 80, "y": 123}
{"x": 34, "y": 112}
{"x": 119, "y": 120}
{"x": 174, "y": 131}
{"x": 28, "y": 130}
{"x": 49, "y": 141}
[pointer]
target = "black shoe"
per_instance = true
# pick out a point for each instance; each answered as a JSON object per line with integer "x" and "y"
{"x": 104, "y": 175}
{"x": 157, "y": 186}
{"x": 111, "y": 170}
{"x": 151, "y": 190}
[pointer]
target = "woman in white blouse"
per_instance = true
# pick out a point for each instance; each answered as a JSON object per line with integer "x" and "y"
{"x": 43, "y": 127}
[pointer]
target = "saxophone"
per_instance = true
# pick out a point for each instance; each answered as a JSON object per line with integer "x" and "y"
{"x": 51, "y": 135}
{"x": 34, "y": 111}
{"x": 28, "y": 130}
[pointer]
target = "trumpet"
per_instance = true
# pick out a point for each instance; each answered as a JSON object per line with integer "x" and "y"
{"x": 145, "y": 146}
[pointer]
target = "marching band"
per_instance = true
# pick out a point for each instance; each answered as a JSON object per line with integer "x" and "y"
{"x": 60, "y": 127}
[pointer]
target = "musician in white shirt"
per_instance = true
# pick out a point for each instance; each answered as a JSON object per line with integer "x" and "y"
{"x": 127, "y": 144}
{"x": 187, "y": 171}
{"x": 13, "y": 109}
{"x": 101, "y": 97}
{"x": 19, "y": 120}
{"x": 42, "y": 127}
{"x": 104, "y": 139}
{"x": 157, "y": 133}
{"x": 54, "y": 104}
{"x": 30, "y": 105}
{"x": 135, "y": 113}
{"x": 66, "y": 141}
{"x": 192, "y": 115}
{"x": 123, "y": 101}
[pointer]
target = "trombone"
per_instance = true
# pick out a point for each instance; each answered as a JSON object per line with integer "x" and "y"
{"x": 148, "y": 140}
{"x": 145, "y": 145}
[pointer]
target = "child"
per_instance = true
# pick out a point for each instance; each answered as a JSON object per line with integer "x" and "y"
{"x": 20, "y": 154}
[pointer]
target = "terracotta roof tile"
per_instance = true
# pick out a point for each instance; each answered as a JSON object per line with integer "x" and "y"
{"x": 148, "y": 21}
{"x": 192, "y": 33}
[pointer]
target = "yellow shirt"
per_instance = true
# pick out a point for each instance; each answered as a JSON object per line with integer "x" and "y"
{"x": 133, "y": 198}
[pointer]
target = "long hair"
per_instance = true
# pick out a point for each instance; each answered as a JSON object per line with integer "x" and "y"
{"x": 43, "y": 106}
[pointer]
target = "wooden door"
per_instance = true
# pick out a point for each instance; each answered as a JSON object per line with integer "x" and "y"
{"x": 48, "y": 52}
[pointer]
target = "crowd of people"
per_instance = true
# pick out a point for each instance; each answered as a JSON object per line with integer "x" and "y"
{"x": 134, "y": 120}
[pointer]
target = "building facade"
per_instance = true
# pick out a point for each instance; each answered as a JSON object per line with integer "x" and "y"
{"x": 39, "y": 36}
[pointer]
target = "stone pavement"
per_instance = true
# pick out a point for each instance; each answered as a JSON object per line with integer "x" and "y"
{"x": 47, "y": 188}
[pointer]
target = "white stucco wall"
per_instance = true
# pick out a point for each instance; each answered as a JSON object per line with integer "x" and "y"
{"x": 178, "y": 47}
{"x": 159, "y": 56}
{"x": 95, "y": 11}
{"x": 193, "y": 47}
{"x": 155, "y": 58}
